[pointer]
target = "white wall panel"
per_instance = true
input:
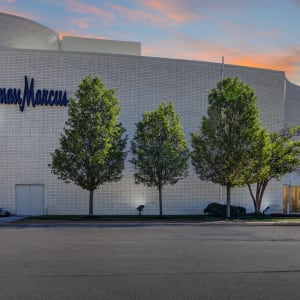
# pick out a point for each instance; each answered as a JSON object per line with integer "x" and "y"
{"x": 141, "y": 83}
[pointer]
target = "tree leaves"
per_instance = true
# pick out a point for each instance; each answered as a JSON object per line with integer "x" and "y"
{"x": 229, "y": 133}
{"x": 92, "y": 147}
{"x": 160, "y": 153}
{"x": 226, "y": 143}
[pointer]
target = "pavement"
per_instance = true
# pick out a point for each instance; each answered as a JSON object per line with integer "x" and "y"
{"x": 158, "y": 262}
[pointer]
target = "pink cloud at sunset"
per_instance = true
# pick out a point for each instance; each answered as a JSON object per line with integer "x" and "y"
{"x": 138, "y": 15}
{"x": 151, "y": 12}
{"x": 18, "y": 14}
{"x": 7, "y": 1}
{"x": 81, "y": 23}
{"x": 175, "y": 10}
{"x": 83, "y": 8}
{"x": 155, "y": 13}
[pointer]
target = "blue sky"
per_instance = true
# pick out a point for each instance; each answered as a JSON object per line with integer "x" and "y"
{"x": 258, "y": 33}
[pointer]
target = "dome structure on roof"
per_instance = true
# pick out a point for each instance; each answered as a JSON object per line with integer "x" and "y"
{"x": 21, "y": 33}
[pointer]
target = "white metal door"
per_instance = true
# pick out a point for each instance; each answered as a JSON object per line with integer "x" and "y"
{"x": 29, "y": 199}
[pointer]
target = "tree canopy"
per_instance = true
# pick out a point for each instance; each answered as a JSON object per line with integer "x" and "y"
{"x": 91, "y": 150}
{"x": 281, "y": 157}
{"x": 159, "y": 149}
{"x": 228, "y": 136}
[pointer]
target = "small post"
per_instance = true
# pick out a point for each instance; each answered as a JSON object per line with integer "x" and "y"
{"x": 289, "y": 199}
{"x": 222, "y": 68}
{"x": 222, "y": 76}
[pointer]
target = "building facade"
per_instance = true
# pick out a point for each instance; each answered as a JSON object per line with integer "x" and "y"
{"x": 141, "y": 84}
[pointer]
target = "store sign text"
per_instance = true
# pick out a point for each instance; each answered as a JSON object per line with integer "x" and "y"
{"x": 30, "y": 96}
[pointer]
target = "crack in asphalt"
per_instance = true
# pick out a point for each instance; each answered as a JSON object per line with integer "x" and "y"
{"x": 154, "y": 274}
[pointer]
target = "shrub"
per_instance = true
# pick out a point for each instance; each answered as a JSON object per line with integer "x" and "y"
{"x": 219, "y": 210}
{"x": 7, "y": 214}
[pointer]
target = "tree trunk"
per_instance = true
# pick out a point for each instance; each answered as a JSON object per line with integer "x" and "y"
{"x": 91, "y": 206}
{"x": 160, "y": 199}
{"x": 257, "y": 197}
{"x": 252, "y": 195}
{"x": 259, "y": 193}
{"x": 257, "y": 207}
{"x": 228, "y": 201}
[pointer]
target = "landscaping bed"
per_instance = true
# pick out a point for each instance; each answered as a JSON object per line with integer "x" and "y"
{"x": 151, "y": 218}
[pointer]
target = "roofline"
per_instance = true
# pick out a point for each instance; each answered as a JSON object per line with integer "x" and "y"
{"x": 30, "y": 21}
{"x": 143, "y": 57}
{"x": 294, "y": 84}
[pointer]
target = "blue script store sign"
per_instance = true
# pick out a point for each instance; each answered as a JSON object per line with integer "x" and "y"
{"x": 29, "y": 95}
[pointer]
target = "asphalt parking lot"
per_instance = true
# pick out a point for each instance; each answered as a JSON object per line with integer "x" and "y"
{"x": 159, "y": 262}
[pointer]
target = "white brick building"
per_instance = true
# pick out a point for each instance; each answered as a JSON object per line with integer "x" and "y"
{"x": 141, "y": 83}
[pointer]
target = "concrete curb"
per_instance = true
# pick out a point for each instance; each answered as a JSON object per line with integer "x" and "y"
{"x": 142, "y": 224}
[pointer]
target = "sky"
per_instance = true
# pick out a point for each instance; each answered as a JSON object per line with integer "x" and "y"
{"x": 256, "y": 33}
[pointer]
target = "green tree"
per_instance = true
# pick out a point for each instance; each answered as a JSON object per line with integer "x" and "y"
{"x": 228, "y": 135}
{"x": 91, "y": 149}
{"x": 282, "y": 157}
{"x": 159, "y": 150}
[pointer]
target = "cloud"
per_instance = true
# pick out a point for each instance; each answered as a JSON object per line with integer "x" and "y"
{"x": 7, "y": 7}
{"x": 185, "y": 47}
{"x": 7, "y": 1}
{"x": 138, "y": 15}
{"x": 284, "y": 60}
{"x": 18, "y": 14}
{"x": 157, "y": 13}
{"x": 243, "y": 30}
{"x": 176, "y": 11}
{"x": 83, "y": 8}
{"x": 265, "y": 34}
{"x": 81, "y": 23}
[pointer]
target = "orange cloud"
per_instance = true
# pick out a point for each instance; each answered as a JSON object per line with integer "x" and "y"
{"x": 187, "y": 48}
{"x": 286, "y": 60}
{"x": 83, "y": 8}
